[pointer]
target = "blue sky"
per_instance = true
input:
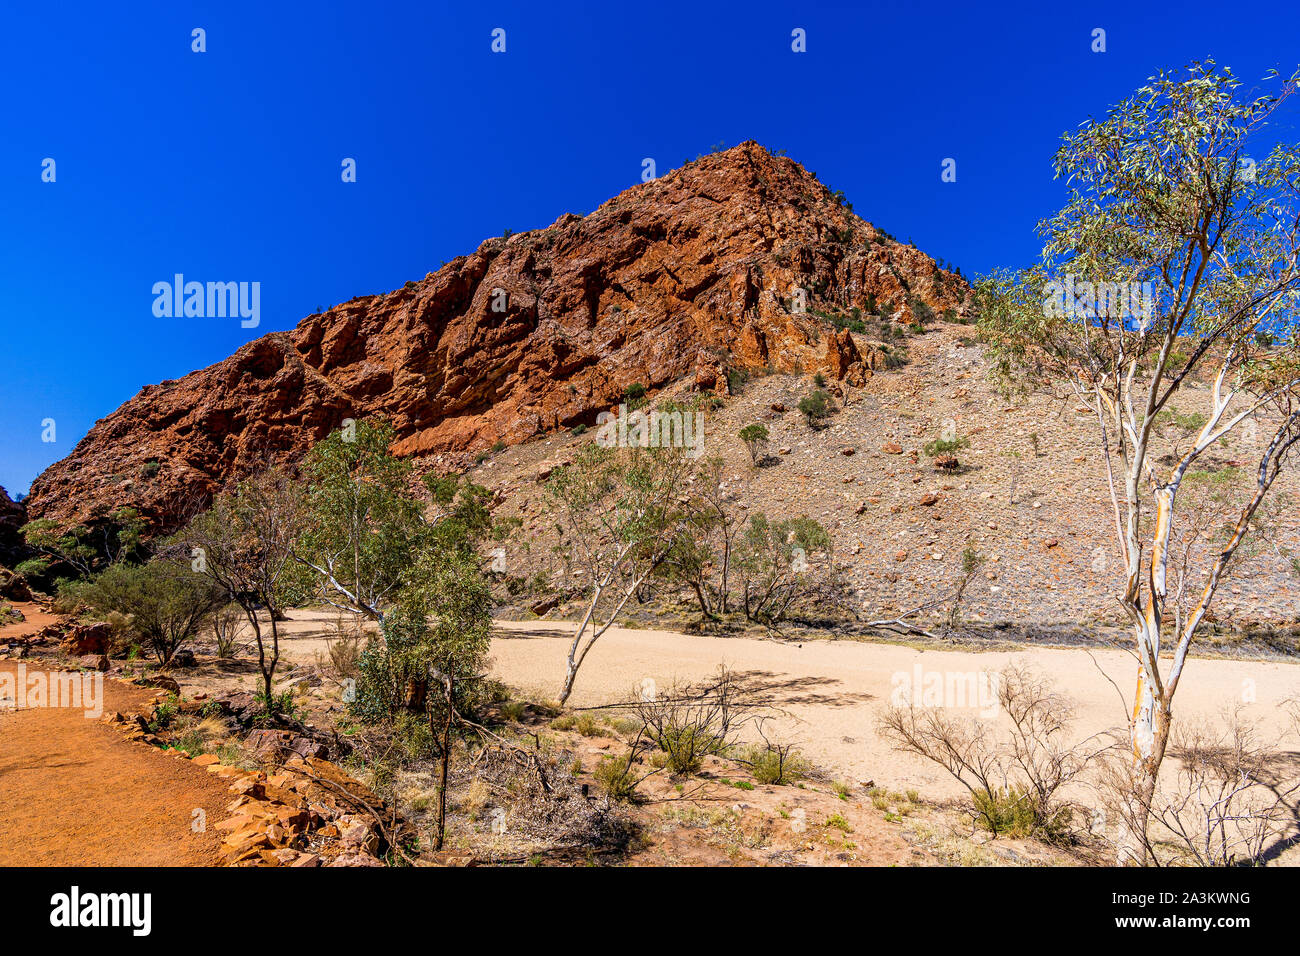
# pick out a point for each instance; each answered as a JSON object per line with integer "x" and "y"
{"x": 225, "y": 165}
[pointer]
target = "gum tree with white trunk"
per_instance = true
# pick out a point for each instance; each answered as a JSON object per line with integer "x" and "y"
{"x": 1172, "y": 272}
{"x": 621, "y": 512}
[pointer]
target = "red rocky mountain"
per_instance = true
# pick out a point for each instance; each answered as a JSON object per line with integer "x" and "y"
{"x": 702, "y": 271}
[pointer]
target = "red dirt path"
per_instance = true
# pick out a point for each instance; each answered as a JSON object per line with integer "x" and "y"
{"x": 73, "y": 791}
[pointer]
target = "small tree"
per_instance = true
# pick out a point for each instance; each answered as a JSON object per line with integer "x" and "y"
{"x": 701, "y": 556}
{"x": 816, "y": 407}
{"x": 372, "y": 552}
{"x": 775, "y": 561}
{"x": 1187, "y": 253}
{"x": 971, "y": 562}
{"x": 621, "y": 512}
{"x": 244, "y": 544}
{"x": 755, "y": 438}
{"x": 81, "y": 547}
{"x": 166, "y": 602}
{"x": 362, "y": 525}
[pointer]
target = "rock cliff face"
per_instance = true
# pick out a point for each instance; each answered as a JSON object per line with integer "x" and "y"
{"x": 12, "y": 517}
{"x": 722, "y": 264}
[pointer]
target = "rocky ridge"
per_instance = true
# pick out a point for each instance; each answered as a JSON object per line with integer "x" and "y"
{"x": 727, "y": 264}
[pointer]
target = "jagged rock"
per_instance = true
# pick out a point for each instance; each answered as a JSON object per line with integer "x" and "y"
{"x": 13, "y": 586}
{"x": 280, "y": 745}
{"x": 546, "y": 604}
{"x": 709, "y": 260}
{"x": 83, "y": 639}
{"x": 183, "y": 658}
{"x": 358, "y": 836}
{"x": 243, "y": 707}
{"x": 163, "y": 682}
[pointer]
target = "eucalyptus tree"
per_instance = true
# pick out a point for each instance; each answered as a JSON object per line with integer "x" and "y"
{"x": 1170, "y": 274}
{"x": 621, "y": 512}
{"x": 244, "y": 544}
{"x": 376, "y": 550}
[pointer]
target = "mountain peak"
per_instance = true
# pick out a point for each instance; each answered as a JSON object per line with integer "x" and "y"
{"x": 737, "y": 261}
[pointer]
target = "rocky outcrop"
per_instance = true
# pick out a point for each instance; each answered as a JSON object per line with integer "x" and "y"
{"x": 13, "y": 516}
{"x": 731, "y": 262}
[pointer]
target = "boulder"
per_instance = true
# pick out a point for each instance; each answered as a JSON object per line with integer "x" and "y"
{"x": 83, "y": 639}
{"x": 13, "y": 586}
{"x": 162, "y": 682}
{"x": 279, "y": 745}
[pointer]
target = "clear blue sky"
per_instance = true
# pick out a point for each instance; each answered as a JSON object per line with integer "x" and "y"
{"x": 225, "y": 165}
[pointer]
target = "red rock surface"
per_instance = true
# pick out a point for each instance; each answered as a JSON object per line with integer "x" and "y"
{"x": 688, "y": 275}
{"x": 12, "y": 517}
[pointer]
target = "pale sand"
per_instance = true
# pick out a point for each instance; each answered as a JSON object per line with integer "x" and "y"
{"x": 834, "y": 690}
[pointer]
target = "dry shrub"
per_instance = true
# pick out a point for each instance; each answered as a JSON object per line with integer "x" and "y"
{"x": 548, "y": 804}
{"x": 1013, "y": 778}
{"x": 1235, "y": 799}
{"x": 124, "y": 634}
{"x": 345, "y": 648}
{"x": 695, "y": 721}
{"x": 228, "y": 624}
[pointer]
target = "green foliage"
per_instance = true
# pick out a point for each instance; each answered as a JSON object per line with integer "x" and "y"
{"x": 32, "y": 567}
{"x": 164, "y": 713}
{"x": 465, "y": 519}
{"x": 1012, "y": 812}
{"x": 1188, "y": 423}
{"x": 362, "y": 526}
{"x": 685, "y": 747}
{"x": 946, "y": 446}
{"x": 86, "y": 548}
{"x": 774, "y": 560}
{"x": 634, "y": 395}
{"x": 755, "y": 438}
{"x": 777, "y": 766}
{"x": 816, "y": 407}
{"x": 615, "y": 776}
{"x": 166, "y": 601}
{"x": 440, "y": 624}
{"x": 273, "y": 706}
{"x": 737, "y": 379}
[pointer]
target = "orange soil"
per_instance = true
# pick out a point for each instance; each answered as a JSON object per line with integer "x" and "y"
{"x": 73, "y": 791}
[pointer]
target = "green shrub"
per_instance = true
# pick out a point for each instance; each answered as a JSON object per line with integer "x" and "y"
{"x": 775, "y": 765}
{"x": 1007, "y": 811}
{"x": 946, "y": 446}
{"x": 755, "y": 438}
{"x": 816, "y": 407}
{"x": 413, "y": 737}
{"x": 685, "y": 747}
{"x": 166, "y": 601}
{"x": 513, "y": 710}
{"x": 615, "y": 776}
{"x": 736, "y": 380}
